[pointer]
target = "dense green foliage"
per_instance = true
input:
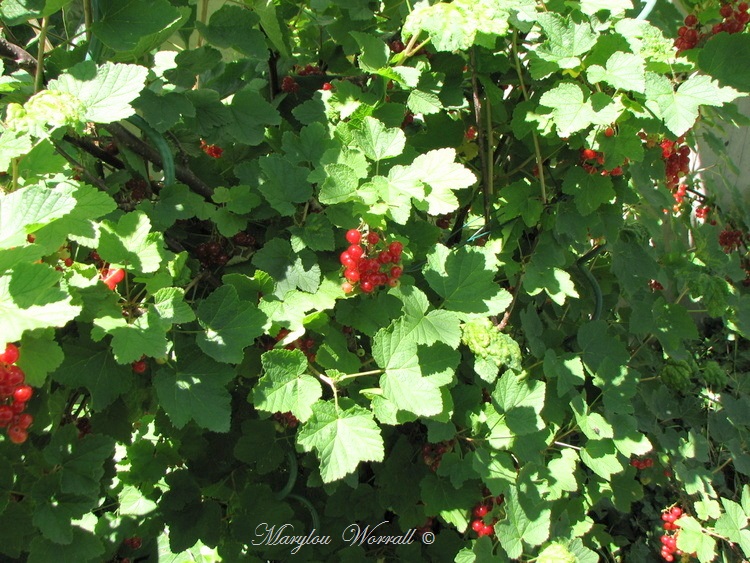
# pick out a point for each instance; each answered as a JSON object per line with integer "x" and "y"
{"x": 537, "y": 350}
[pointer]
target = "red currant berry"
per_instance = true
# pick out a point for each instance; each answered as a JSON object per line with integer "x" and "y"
{"x": 6, "y": 415}
{"x": 353, "y": 236}
{"x": 18, "y": 407}
{"x": 395, "y": 248}
{"x": 327, "y": 86}
{"x": 726, "y": 11}
{"x": 588, "y": 154}
{"x": 396, "y": 272}
{"x": 373, "y": 237}
{"x": 139, "y": 367}
{"x": 352, "y": 275}
{"x": 367, "y": 286}
{"x": 346, "y": 260}
{"x": 355, "y": 251}
{"x": 480, "y": 511}
{"x": 471, "y": 133}
{"x": 23, "y": 393}
{"x": 10, "y": 355}
{"x": 691, "y": 20}
{"x": 24, "y": 420}
{"x": 347, "y": 287}
{"x": 384, "y": 257}
{"x": 609, "y": 132}
{"x": 477, "y": 525}
{"x": 488, "y": 530}
{"x": 17, "y": 435}
{"x": 16, "y": 376}
{"x": 676, "y": 512}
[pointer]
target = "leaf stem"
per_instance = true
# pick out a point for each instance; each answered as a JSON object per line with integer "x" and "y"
{"x": 535, "y": 138}
{"x": 361, "y": 373}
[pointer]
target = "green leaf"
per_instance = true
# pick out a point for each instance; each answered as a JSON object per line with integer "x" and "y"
{"x": 134, "y": 503}
{"x": 40, "y": 355}
{"x": 80, "y": 460}
{"x": 692, "y": 539}
{"x": 130, "y": 242}
{"x": 423, "y": 327}
{"x": 252, "y": 114}
{"x": 679, "y": 108}
{"x": 30, "y": 299}
{"x": 673, "y": 324}
{"x": 566, "y": 41}
{"x": 733, "y": 524}
{"x": 342, "y": 437}
{"x": 144, "y": 336}
{"x": 379, "y": 142}
{"x": 96, "y": 371}
{"x": 448, "y": 25}
{"x": 195, "y": 389}
{"x": 105, "y": 91}
{"x": 374, "y": 54}
{"x": 522, "y": 525}
{"x": 169, "y": 303}
{"x": 233, "y": 26}
{"x": 441, "y": 173}
{"x": 601, "y": 456}
{"x": 15, "y": 12}
{"x": 284, "y": 387}
{"x": 122, "y": 27}
{"x": 283, "y": 185}
{"x": 568, "y": 370}
{"x": 623, "y": 71}
{"x": 464, "y": 278}
{"x": 163, "y": 111}
{"x": 84, "y": 547}
{"x": 572, "y": 111}
{"x": 26, "y": 210}
{"x": 229, "y": 323}
{"x": 614, "y": 7}
{"x": 403, "y": 384}
{"x": 718, "y": 55}
{"x": 522, "y": 401}
{"x": 591, "y": 191}
{"x": 341, "y": 184}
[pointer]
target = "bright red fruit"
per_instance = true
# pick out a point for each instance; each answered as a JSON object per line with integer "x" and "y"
{"x": 23, "y": 393}
{"x": 373, "y": 238}
{"x": 588, "y": 154}
{"x": 353, "y": 236}
{"x": 480, "y": 511}
{"x": 477, "y": 525}
{"x": 355, "y": 251}
{"x": 112, "y": 277}
{"x": 609, "y": 132}
{"x": 16, "y": 376}
{"x": 6, "y": 415}
{"x": 17, "y": 435}
{"x": 395, "y": 247}
{"x": 24, "y": 420}
{"x": 10, "y": 355}
{"x": 139, "y": 367}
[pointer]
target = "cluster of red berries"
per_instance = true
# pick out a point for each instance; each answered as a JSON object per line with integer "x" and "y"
{"x": 212, "y": 253}
{"x": 289, "y": 85}
{"x": 309, "y": 70}
{"x": 243, "y": 238}
{"x": 370, "y": 262}
{"x": 133, "y": 543}
{"x": 286, "y": 419}
{"x": 702, "y": 212}
{"x": 735, "y": 19}
{"x": 305, "y": 345}
{"x": 642, "y": 463}
{"x": 730, "y": 240}
{"x": 589, "y": 155}
{"x": 14, "y": 394}
{"x": 669, "y": 542}
{"x": 676, "y": 156}
{"x": 432, "y": 454}
{"x": 483, "y": 510}
{"x": 214, "y": 151}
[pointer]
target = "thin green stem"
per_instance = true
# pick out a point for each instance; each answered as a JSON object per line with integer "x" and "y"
{"x": 361, "y": 374}
{"x": 535, "y": 138}
{"x": 87, "y": 18}
{"x": 39, "y": 77}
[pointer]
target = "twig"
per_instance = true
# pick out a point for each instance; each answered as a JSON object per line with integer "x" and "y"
{"x": 18, "y": 55}
{"x": 39, "y": 76}
{"x": 95, "y": 151}
{"x": 182, "y": 173}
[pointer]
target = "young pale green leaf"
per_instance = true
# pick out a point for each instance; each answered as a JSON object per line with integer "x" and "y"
{"x": 342, "y": 436}
{"x": 733, "y": 524}
{"x": 623, "y": 71}
{"x": 679, "y": 108}
{"x": 230, "y": 325}
{"x": 105, "y": 91}
{"x": 12, "y": 145}
{"x": 341, "y": 184}
{"x": 26, "y": 210}
{"x": 134, "y": 503}
{"x": 614, "y": 7}
{"x": 449, "y": 26}
{"x": 378, "y": 141}
{"x": 566, "y": 41}
{"x": 464, "y": 278}
{"x": 571, "y": 111}
{"x": 284, "y": 387}
{"x": 195, "y": 389}
{"x": 439, "y": 170}
{"x": 30, "y": 299}
{"x": 556, "y": 553}
{"x": 522, "y": 525}
{"x": 693, "y": 539}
